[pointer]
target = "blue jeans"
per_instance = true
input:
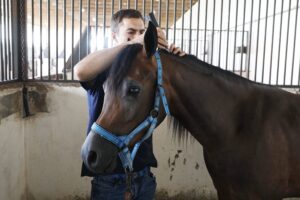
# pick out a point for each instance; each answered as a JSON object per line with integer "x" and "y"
{"x": 112, "y": 187}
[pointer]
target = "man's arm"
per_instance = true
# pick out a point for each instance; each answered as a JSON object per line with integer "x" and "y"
{"x": 95, "y": 63}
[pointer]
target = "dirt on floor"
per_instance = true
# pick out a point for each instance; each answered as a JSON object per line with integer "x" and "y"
{"x": 163, "y": 195}
{"x": 190, "y": 195}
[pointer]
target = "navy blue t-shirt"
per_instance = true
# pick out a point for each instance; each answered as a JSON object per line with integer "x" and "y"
{"x": 95, "y": 94}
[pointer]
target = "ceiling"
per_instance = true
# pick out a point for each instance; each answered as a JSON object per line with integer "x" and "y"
{"x": 158, "y": 5}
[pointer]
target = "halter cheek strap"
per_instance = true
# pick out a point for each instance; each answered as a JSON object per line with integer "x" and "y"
{"x": 122, "y": 142}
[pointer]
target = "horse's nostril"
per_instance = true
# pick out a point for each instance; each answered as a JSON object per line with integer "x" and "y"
{"x": 92, "y": 158}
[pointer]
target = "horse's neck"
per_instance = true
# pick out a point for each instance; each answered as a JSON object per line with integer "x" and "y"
{"x": 201, "y": 102}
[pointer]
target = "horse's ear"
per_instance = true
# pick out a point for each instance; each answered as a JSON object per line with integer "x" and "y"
{"x": 150, "y": 40}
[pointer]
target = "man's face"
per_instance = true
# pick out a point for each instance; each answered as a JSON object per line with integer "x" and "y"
{"x": 129, "y": 29}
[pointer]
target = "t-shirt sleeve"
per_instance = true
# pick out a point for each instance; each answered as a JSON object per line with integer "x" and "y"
{"x": 96, "y": 82}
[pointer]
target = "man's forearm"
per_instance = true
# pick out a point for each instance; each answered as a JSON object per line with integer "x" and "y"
{"x": 95, "y": 63}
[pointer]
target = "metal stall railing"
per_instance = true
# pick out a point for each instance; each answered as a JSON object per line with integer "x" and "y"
{"x": 7, "y": 70}
{"x": 255, "y": 39}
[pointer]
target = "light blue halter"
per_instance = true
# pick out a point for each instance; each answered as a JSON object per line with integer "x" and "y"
{"x": 122, "y": 142}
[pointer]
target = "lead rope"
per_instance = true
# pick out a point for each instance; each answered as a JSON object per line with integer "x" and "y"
{"x": 128, "y": 192}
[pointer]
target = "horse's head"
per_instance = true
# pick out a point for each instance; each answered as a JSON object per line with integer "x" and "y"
{"x": 129, "y": 98}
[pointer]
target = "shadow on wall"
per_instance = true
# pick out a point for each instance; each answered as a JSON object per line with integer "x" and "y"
{"x": 13, "y": 102}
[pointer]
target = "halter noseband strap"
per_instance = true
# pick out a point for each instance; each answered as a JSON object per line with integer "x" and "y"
{"x": 122, "y": 142}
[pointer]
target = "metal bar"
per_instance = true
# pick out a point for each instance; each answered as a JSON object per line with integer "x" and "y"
{"x": 128, "y": 4}
{"x": 104, "y": 20}
{"x": 43, "y": 81}
{"x": 228, "y": 30}
{"x": 97, "y": 23}
{"x": 190, "y": 30}
{"x": 258, "y": 26}
{"x": 205, "y": 30}
{"x": 112, "y": 7}
{"x": 144, "y": 8}
{"x": 21, "y": 39}
{"x": 242, "y": 53}
{"x": 12, "y": 46}
{"x": 65, "y": 28}
{"x": 247, "y": 56}
{"x": 272, "y": 41}
{"x": 295, "y": 33}
{"x": 299, "y": 74}
{"x": 49, "y": 42}
{"x": 287, "y": 42}
{"x": 56, "y": 38}
{"x": 198, "y": 20}
{"x": 15, "y": 34}
{"x": 120, "y": 4}
{"x": 213, "y": 28}
{"x": 265, "y": 38}
{"x": 41, "y": 39}
{"x": 285, "y": 86}
{"x": 112, "y": 13}
{"x": 5, "y": 40}
{"x": 1, "y": 43}
{"x": 8, "y": 41}
{"x": 251, "y": 20}
{"x": 88, "y": 27}
{"x": 235, "y": 31}
{"x": 175, "y": 9}
{"x": 167, "y": 19}
{"x": 279, "y": 45}
{"x": 72, "y": 42}
{"x": 80, "y": 29}
{"x": 152, "y": 5}
{"x": 221, "y": 23}
{"x": 32, "y": 38}
{"x": 159, "y": 13}
{"x": 182, "y": 22}
{"x": 136, "y": 4}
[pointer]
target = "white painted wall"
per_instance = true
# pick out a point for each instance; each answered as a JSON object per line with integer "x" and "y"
{"x": 12, "y": 157}
{"x": 40, "y": 155}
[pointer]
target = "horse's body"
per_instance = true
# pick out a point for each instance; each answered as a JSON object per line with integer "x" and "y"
{"x": 250, "y": 132}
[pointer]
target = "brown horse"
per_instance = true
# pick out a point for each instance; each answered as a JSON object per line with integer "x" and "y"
{"x": 250, "y": 132}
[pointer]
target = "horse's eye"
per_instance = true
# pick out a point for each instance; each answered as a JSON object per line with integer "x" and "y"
{"x": 133, "y": 90}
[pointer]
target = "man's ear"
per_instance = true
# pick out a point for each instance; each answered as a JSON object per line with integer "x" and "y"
{"x": 114, "y": 36}
{"x": 150, "y": 40}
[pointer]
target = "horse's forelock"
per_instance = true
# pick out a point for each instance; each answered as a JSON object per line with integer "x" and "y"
{"x": 121, "y": 65}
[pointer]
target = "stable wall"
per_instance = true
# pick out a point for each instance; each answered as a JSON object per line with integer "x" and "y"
{"x": 40, "y": 154}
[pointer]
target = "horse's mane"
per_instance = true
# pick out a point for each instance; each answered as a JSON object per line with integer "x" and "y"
{"x": 121, "y": 65}
{"x": 193, "y": 61}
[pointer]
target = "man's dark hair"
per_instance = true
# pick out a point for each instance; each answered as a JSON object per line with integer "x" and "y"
{"x": 120, "y": 15}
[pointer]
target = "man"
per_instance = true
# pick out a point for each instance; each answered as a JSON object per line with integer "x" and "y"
{"x": 127, "y": 28}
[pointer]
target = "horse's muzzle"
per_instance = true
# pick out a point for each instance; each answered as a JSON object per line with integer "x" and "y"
{"x": 98, "y": 154}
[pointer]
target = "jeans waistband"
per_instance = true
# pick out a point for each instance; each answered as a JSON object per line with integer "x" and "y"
{"x": 122, "y": 176}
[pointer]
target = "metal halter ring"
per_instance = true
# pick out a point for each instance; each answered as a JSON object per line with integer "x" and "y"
{"x": 154, "y": 113}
